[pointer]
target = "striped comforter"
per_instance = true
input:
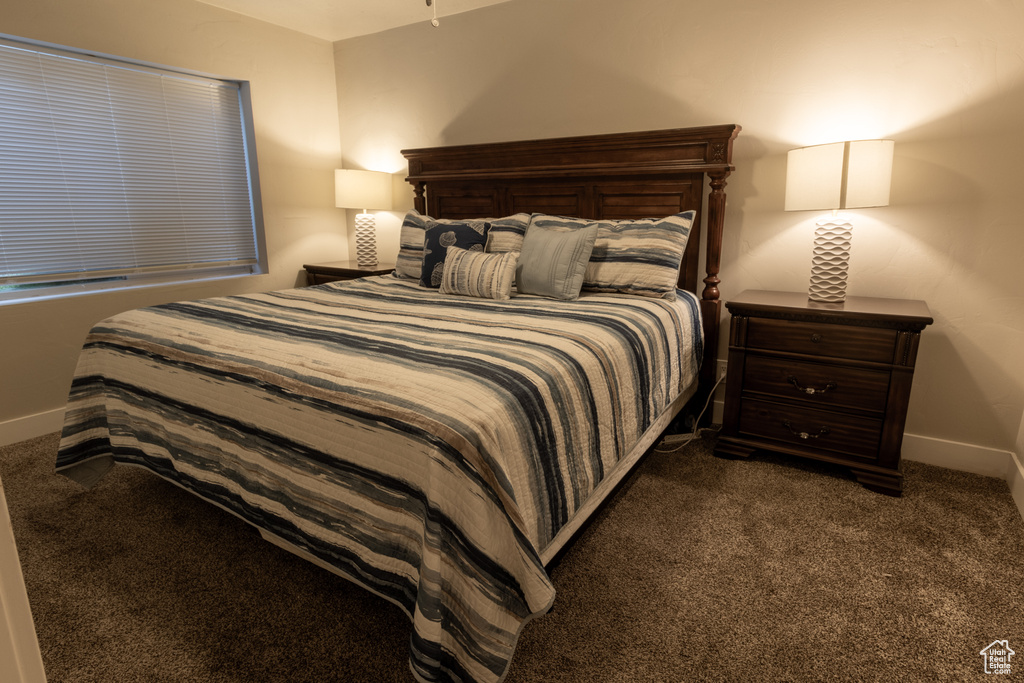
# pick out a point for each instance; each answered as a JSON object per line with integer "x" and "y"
{"x": 426, "y": 446}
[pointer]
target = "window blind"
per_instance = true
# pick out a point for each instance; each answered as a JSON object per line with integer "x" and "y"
{"x": 114, "y": 169}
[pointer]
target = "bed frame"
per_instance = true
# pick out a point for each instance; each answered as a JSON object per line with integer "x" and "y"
{"x": 649, "y": 174}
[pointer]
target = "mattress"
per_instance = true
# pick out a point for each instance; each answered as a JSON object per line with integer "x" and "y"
{"x": 428, "y": 447}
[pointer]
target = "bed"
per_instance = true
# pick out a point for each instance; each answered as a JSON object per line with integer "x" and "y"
{"x": 439, "y": 449}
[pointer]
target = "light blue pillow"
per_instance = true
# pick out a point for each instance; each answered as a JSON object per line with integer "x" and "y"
{"x": 554, "y": 257}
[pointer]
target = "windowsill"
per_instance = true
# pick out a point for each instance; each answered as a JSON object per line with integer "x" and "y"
{"x": 26, "y": 296}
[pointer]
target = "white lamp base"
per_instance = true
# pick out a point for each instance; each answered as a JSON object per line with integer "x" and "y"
{"x": 366, "y": 239}
{"x": 830, "y": 262}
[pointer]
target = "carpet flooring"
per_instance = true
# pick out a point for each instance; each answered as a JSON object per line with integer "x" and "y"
{"x": 700, "y": 569}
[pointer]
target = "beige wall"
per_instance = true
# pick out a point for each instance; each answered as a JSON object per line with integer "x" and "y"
{"x": 296, "y": 121}
{"x": 944, "y": 78}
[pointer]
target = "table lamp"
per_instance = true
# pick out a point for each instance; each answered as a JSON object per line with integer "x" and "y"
{"x": 841, "y": 175}
{"x": 364, "y": 190}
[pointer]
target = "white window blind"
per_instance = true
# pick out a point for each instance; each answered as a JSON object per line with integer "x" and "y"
{"x": 110, "y": 169}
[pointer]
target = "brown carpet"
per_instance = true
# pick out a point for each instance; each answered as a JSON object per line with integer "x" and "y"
{"x": 700, "y": 569}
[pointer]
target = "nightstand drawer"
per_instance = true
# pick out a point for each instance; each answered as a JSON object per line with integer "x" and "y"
{"x": 822, "y": 339}
{"x": 818, "y": 383}
{"x": 811, "y": 428}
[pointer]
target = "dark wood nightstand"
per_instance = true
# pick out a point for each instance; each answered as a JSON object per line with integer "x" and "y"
{"x": 823, "y": 381}
{"x": 332, "y": 271}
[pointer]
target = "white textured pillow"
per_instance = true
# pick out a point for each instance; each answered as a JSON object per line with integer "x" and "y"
{"x": 474, "y": 273}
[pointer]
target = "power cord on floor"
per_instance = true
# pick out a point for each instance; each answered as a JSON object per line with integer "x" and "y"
{"x": 677, "y": 440}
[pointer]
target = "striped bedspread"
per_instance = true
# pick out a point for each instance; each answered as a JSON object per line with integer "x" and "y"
{"x": 426, "y": 446}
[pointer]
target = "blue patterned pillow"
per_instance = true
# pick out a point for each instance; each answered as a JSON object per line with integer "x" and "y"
{"x": 410, "y": 244}
{"x": 468, "y": 235}
{"x": 639, "y": 257}
{"x": 471, "y": 273}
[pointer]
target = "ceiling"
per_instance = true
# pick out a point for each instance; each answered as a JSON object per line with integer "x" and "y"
{"x": 339, "y": 19}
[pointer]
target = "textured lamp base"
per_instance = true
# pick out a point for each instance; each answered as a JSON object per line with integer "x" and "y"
{"x": 831, "y": 260}
{"x": 366, "y": 239}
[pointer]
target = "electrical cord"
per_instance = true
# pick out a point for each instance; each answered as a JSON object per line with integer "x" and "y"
{"x": 687, "y": 438}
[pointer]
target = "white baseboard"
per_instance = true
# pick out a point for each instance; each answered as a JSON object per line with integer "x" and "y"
{"x": 954, "y": 455}
{"x": 966, "y": 457}
{"x": 717, "y": 410}
{"x": 1015, "y": 478}
{"x": 31, "y": 426}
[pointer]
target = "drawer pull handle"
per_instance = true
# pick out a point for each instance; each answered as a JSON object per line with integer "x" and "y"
{"x": 805, "y": 435}
{"x": 815, "y": 337}
{"x": 811, "y": 390}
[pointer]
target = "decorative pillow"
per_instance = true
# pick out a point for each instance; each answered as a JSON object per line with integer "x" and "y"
{"x": 471, "y": 273}
{"x": 639, "y": 257}
{"x": 506, "y": 234}
{"x": 554, "y": 257}
{"x": 439, "y": 236}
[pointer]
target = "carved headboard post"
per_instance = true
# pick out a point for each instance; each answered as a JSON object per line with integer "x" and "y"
{"x": 710, "y": 303}
{"x": 418, "y": 186}
{"x": 419, "y": 201}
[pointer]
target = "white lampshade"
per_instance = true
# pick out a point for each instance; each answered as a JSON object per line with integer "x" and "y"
{"x": 841, "y": 175}
{"x": 354, "y": 189}
{"x": 868, "y": 173}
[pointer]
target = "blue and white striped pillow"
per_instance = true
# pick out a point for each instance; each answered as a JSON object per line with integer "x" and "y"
{"x": 639, "y": 257}
{"x": 409, "y": 263}
{"x": 506, "y": 234}
{"x": 473, "y": 273}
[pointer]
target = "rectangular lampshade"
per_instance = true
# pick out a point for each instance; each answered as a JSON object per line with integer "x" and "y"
{"x": 354, "y": 189}
{"x": 841, "y": 175}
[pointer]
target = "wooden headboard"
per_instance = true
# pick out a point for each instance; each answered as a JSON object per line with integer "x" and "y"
{"x": 649, "y": 174}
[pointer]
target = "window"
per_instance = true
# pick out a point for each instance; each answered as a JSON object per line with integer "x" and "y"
{"x": 115, "y": 174}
